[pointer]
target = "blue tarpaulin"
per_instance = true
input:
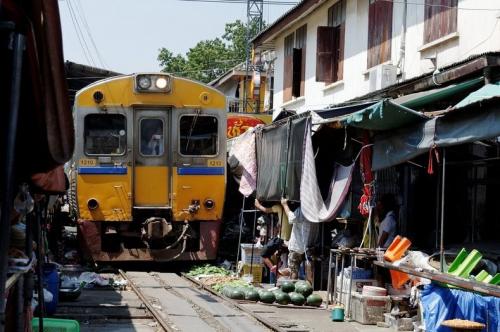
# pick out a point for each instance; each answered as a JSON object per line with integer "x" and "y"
{"x": 440, "y": 304}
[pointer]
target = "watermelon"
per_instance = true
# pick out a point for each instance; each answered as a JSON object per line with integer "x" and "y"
{"x": 227, "y": 290}
{"x": 267, "y": 297}
{"x": 252, "y": 295}
{"x": 314, "y": 300}
{"x": 287, "y": 286}
{"x": 304, "y": 289}
{"x": 282, "y": 297}
{"x": 237, "y": 294}
{"x": 297, "y": 299}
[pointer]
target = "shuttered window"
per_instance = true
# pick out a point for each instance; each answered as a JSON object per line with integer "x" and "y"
{"x": 440, "y": 19}
{"x": 379, "y": 32}
{"x": 330, "y": 46}
{"x": 294, "y": 64}
{"x": 288, "y": 66}
{"x": 299, "y": 61}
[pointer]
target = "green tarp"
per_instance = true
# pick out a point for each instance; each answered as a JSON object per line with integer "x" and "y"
{"x": 487, "y": 92}
{"x": 383, "y": 115}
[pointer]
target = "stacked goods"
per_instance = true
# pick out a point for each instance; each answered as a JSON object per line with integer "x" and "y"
{"x": 304, "y": 288}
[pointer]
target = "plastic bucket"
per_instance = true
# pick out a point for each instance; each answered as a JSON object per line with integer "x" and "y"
{"x": 51, "y": 283}
{"x": 338, "y": 314}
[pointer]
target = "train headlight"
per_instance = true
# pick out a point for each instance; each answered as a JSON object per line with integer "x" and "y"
{"x": 209, "y": 204}
{"x": 153, "y": 83}
{"x": 161, "y": 83}
{"x": 144, "y": 82}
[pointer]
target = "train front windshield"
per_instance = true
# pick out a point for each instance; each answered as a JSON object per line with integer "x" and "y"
{"x": 198, "y": 135}
{"x": 105, "y": 134}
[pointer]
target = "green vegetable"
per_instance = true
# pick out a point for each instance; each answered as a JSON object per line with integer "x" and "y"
{"x": 267, "y": 297}
{"x": 208, "y": 269}
{"x": 287, "y": 286}
{"x": 282, "y": 297}
{"x": 234, "y": 283}
{"x": 314, "y": 300}
{"x": 297, "y": 299}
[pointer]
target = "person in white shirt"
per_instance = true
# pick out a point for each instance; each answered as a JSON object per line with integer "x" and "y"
{"x": 386, "y": 209}
{"x": 303, "y": 235}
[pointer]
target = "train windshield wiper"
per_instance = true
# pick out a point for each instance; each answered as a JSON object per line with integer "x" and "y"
{"x": 193, "y": 124}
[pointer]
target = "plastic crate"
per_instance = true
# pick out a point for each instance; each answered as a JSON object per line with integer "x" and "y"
{"x": 367, "y": 309}
{"x": 56, "y": 325}
{"x": 246, "y": 254}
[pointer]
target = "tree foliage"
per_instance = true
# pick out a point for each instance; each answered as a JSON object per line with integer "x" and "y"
{"x": 209, "y": 59}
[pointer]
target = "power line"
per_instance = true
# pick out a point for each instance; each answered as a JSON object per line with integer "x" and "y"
{"x": 73, "y": 20}
{"x": 83, "y": 18}
{"x": 78, "y": 29}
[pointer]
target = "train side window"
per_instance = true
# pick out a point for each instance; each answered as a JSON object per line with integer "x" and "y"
{"x": 105, "y": 134}
{"x": 152, "y": 140}
{"x": 198, "y": 135}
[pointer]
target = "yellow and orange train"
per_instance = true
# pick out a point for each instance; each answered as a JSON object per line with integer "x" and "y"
{"x": 149, "y": 170}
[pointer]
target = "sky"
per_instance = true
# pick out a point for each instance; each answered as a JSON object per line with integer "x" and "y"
{"x": 125, "y": 35}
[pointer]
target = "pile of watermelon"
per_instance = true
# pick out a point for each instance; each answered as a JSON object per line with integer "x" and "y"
{"x": 298, "y": 293}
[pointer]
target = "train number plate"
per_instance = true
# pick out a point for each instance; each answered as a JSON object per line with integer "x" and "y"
{"x": 87, "y": 162}
{"x": 215, "y": 163}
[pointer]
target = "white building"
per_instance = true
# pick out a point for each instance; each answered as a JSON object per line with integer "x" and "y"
{"x": 331, "y": 51}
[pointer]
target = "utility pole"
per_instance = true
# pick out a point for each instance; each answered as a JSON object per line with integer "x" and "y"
{"x": 254, "y": 18}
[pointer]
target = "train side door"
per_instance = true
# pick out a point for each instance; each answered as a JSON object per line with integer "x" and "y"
{"x": 151, "y": 158}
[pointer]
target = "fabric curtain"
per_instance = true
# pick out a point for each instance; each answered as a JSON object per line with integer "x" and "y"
{"x": 280, "y": 151}
{"x": 314, "y": 208}
{"x": 243, "y": 149}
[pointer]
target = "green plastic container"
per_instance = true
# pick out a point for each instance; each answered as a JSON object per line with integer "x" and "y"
{"x": 56, "y": 325}
{"x": 464, "y": 263}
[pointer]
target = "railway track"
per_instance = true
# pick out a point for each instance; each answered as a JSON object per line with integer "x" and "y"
{"x": 159, "y": 302}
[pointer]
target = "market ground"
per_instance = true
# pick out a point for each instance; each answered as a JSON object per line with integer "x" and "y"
{"x": 301, "y": 319}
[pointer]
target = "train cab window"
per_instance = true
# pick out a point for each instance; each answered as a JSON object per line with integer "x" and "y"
{"x": 198, "y": 135}
{"x": 105, "y": 134}
{"x": 152, "y": 139}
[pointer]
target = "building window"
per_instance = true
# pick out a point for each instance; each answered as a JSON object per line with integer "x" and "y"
{"x": 379, "y": 32}
{"x": 330, "y": 46}
{"x": 440, "y": 19}
{"x": 295, "y": 64}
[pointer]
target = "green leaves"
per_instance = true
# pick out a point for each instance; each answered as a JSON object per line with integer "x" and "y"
{"x": 209, "y": 59}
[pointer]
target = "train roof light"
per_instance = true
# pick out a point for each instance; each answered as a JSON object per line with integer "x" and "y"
{"x": 144, "y": 83}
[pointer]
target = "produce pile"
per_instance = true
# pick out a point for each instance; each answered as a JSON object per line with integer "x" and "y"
{"x": 298, "y": 293}
{"x": 208, "y": 270}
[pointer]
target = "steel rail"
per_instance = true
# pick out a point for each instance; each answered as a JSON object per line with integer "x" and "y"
{"x": 264, "y": 321}
{"x": 148, "y": 305}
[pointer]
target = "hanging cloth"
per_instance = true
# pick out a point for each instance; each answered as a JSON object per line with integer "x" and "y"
{"x": 244, "y": 150}
{"x": 312, "y": 204}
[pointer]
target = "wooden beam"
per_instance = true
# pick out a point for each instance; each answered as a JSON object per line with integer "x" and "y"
{"x": 445, "y": 278}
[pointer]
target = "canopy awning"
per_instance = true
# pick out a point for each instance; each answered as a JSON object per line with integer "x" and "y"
{"x": 486, "y": 93}
{"x": 479, "y": 121}
{"x": 383, "y": 115}
{"x": 374, "y": 115}
{"x": 422, "y": 99}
